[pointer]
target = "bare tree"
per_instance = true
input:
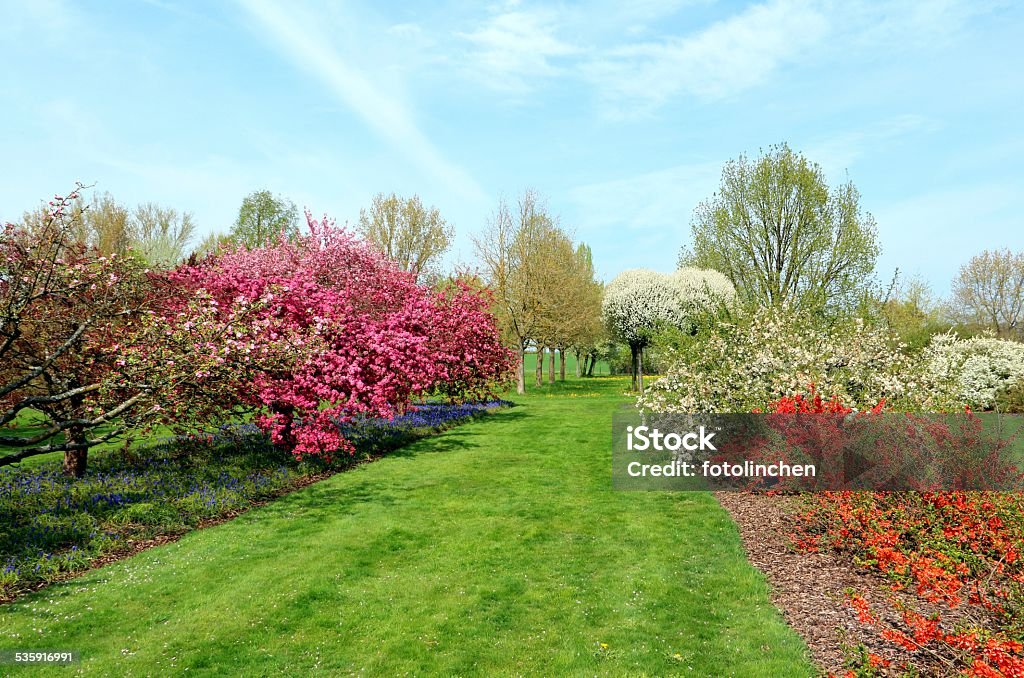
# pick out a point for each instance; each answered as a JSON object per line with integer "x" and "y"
{"x": 989, "y": 291}
{"x": 161, "y": 234}
{"x": 508, "y": 251}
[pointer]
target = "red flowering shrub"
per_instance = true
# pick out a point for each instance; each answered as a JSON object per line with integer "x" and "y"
{"x": 951, "y": 550}
{"x": 870, "y": 450}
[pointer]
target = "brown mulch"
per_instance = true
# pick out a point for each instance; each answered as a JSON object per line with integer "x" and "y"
{"x": 809, "y": 588}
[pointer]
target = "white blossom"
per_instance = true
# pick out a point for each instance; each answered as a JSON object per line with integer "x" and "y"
{"x": 779, "y": 353}
{"x": 638, "y": 301}
{"x": 981, "y": 366}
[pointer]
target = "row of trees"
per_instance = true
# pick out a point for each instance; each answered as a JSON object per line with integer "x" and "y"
{"x": 159, "y": 235}
{"x": 306, "y": 333}
{"x": 545, "y": 290}
{"x": 405, "y": 231}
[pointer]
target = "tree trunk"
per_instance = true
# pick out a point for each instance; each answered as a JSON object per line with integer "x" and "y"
{"x": 551, "y": 366}
{"x": 521, "y": 372}
{"x": 632, "y": 367}
{"x": 561, "y": 364}
{"x": 540, "y": 366}
{"x": 579, "y": 367}
{"x": 74, "y": 459}
{"x": 640, "y": 369}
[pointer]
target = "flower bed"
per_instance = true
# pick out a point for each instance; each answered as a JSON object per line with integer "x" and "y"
{"x": 957, "y": 552}
{"x": 953, "y": 561}
{"x": 51, "y": 524}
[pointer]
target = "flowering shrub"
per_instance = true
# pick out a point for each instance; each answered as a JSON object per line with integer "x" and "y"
{"x": 367, "y": 338}
{"x": 943, "y": 550}
{"x": 98, "y": 346}
{"x": 741, "y": 367}
{"x": 981, "y": 367}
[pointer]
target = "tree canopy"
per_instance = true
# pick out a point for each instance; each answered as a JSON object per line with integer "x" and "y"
{"x": 639, "y": 302}
{"x": 782, "y": 236}
{"x": 406, "y": 232}
{"x": 989, "y": 291}
{"x": 263, "y": 218}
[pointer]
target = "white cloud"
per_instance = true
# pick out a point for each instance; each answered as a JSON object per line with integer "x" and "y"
{"x": 300, "y": 37}
{"x": 726, "y": 58}
{"x": 516, "y": 46}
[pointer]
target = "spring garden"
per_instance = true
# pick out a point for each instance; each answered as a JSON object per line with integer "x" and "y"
{"x": 298, "y": 447}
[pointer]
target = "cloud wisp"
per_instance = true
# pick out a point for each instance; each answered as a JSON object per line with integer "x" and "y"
{"x": 725, "y": 58}
{"x": 299, "y": 37}
{"x": 515, "y": 46}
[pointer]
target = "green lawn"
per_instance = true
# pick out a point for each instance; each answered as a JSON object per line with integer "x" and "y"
{"x": 495, "y": 548}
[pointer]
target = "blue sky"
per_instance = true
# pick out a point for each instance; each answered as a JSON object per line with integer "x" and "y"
{"x": 622, "y": 114}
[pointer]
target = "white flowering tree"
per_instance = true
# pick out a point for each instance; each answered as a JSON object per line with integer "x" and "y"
{"x": 702, "y": 290}
{"x": 639, "y": 302}
{"x": 981, "y": 367}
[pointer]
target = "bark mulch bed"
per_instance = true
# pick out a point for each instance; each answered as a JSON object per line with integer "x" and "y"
{"x": 809, "y": 588}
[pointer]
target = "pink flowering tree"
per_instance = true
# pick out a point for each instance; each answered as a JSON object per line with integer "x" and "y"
{"x": 370, "y": 339}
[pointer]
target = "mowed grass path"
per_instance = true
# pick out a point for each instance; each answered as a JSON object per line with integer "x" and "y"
{"x": 496, "y": 548}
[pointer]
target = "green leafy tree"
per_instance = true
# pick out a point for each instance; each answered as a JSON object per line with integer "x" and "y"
{"x": 913, "y": 312}
{"x": 782, "y": 236}
{"x": 263, "y": 218}
{"x": 408, "y": 233}
{"x": 584, "y": 329}
{"x": 213, "y": 243}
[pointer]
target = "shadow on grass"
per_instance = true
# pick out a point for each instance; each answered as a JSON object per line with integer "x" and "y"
{"x": 115, "y": 509}
{"x": 382, "y": 490}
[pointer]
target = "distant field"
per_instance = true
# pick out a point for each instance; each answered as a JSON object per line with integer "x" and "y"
{"x": 600, "y": 370}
